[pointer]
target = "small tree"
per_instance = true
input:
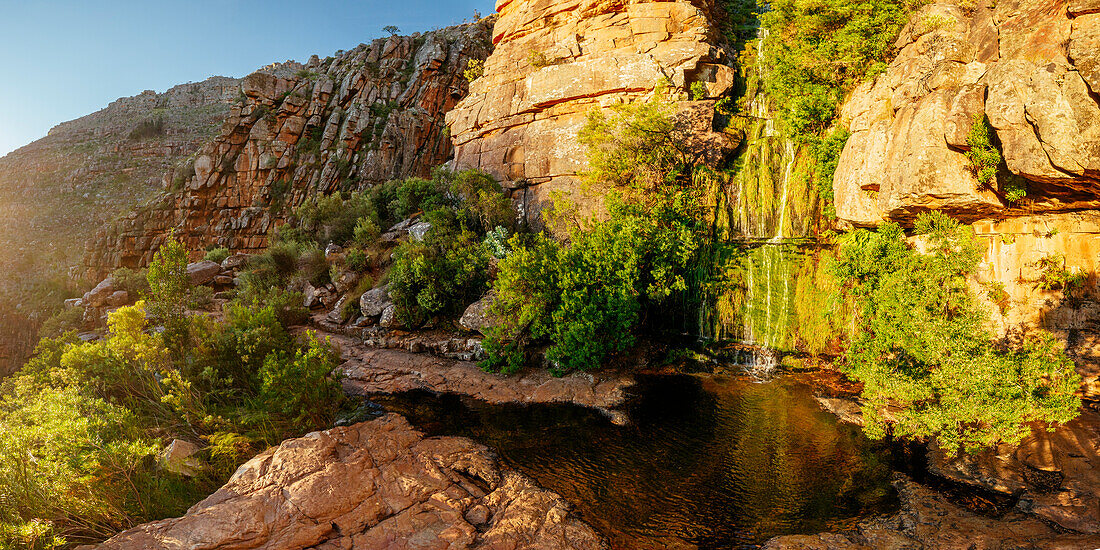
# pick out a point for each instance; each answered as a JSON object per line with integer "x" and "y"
{"x": 393, "y": 30}
{"x": 170, "y": 290}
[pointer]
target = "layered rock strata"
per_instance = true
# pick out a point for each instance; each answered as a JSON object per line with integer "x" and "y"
{"x": 1029, "y": 66}
{"x": 365, "y": 116}
{"x": 378, "y": 484}
{"x": 556, "y": 60}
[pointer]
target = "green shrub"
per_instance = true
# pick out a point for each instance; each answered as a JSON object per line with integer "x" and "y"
{"x": 816, "y": 51}
{"x": 475, "y": 69}
{"x": 698, "y": 91}
{"x": 984, "y": 156}
{"x": 826, "y": 152}
{"x": 217, "y": 255}
{"x": 922, "y": 344}
{"x": 170, "y": 289}
{"x": 366, "y": 232}
{"x": 304, "y": 387}
{"x": 357, "y": 260}
{"x": 438, "y": 276}
{"x": 133, "y": 281}
{"x": 1054, "y": 275}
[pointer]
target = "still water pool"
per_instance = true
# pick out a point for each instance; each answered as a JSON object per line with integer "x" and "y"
{"x": 705, "y": 462}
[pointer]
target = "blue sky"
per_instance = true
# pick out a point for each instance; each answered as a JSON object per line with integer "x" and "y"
{"x": 61, "y": 60}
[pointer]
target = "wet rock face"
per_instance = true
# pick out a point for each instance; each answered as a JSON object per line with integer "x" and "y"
{"x": 1030, "y": 66}
{"x": 554, "y": 61}
{"x": 366, "y": 116}
{"x": 379, "y": 484}
{"x": 928, "y": 520}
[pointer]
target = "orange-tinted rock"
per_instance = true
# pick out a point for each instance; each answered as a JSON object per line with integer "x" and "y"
{"x": 1026, "y": 64}
{"x": 555, "y": 60}
{"x": 378, "y": 484}
{"x": 366, "y": 116}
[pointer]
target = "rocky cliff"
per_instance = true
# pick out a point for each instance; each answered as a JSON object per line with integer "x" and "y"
{"x": 361, "y": 117}
{"x": 556, "y": 60}
{"x": 55, "y": 192}
{"x": 1029, "y": 67}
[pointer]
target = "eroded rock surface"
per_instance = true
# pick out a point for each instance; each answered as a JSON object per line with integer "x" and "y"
{"x": 1028, "y": 65}
{"x": 378, "y": 484}
{"x": 928, "y": 520}
{"x": 554, "y": 61}
{"x": 371, "y": 371}
{"x": 366, "y": 116}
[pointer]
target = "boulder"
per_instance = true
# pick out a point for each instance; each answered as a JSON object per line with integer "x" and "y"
{"x": 223, "y": 280}
{"x": 477, "y": 317}
{"x": 417, "y": 231}
{"x": 118, "y": 298}
{"x": 97, "y": 297}
{"x": 378, "y": 484}
{"x": 373, "y": 302}
{"x": 203, "y": 272}
{"x": 388, "y": 317}
{"x": 311, "y": 298}
{"x": 74, "y": 302}
{"x": 236, "y": 261}
{"x": 179, "y": 457}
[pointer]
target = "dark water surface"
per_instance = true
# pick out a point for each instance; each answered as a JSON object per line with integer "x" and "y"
{"x": 706, "y": 462}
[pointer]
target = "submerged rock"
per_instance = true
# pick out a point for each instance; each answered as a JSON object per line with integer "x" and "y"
{"x": 378, "y": 484}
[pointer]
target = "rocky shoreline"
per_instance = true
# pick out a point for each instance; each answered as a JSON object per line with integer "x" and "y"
{"x": 377, "y": 484}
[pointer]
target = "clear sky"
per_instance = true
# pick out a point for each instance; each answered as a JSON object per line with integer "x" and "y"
{"x": 61, "y": 60}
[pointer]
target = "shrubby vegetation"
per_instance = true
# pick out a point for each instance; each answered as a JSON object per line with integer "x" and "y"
{"x": 817, "y": 51}
{"x": 929, "y": 366}
{"x": 84, "y": 422}
{"x": 588, "y": 297}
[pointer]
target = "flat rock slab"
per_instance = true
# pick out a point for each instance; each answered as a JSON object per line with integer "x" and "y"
{"x": 378, "y": 484}
{"x": 928, "y": 520}
{"x": 368, "y": 371}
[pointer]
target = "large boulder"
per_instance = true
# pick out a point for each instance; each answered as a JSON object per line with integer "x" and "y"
{"x": 97, "y": 297}
{"x": 373, "y": 302}
{"x": 378, "y": 484}
{"x": 478, "y": 317}
{"x": 203, "y": 272}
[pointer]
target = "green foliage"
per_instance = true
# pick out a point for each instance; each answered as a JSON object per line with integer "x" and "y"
{"x": 537, "y": 59}
{"x": 357, "y": 260}
{"x": 588, "y": 297}
{"x": 817, "y": 51}
{"x": 826, "y": 152}
{"x": 391, "y": 29}
{"x": 740, "y": 23}
{"x": 149, "y": 128}
{"x": 133, "y": 281}
{"x": 170, "y": 289}
{"x": 217, "y": 255}
{"x": 698, "y": 91}
{"x": 438, "y": 276}
{"x": 1054, "y": 275}
{"x": 922, "y": 344}
{"x": 84, "y": 422}
{"x": 819, "y": 305}
{"x": 304, "y": 388}
{"x": 984, "y": 156}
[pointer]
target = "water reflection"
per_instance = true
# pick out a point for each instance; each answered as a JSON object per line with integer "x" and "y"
{"x": 708, "y": 463}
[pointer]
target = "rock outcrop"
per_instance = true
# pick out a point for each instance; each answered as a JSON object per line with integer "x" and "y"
{"x": 928, "y": 520}
{"x": 1029, "y": 66}
{"x": 369, "y": 371}
{"x": 556, "y": 60}
{"x": 365, "y": 116}
{"x": 378, "y": 484}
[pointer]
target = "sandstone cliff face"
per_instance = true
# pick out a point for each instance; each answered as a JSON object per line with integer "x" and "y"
{"x": 1030, "y": 66}
{"x": 379, "y": 484}
{"x": 363, "y": 117}
{"x": 554, "y": 61}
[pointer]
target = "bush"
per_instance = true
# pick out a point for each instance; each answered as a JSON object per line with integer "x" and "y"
{"x": 357, "y": 260}
{"x": 983, "y": 154}
{"x": 816, "y": 51}
{"x": 169, "y": 289}
{"x": 217, "y": 255}
{"x": 304, "y": 387}
{"x": 475, "y": 69}
{"x": 133, "y": 281}
{"x": 922, "y": 344}
{"x": 438, "y": 276}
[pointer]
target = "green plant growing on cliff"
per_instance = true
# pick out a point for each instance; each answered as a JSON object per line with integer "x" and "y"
{"x": 217, "y": 254}
{"x": 1054, "y": 275}
{"x": 983, "y": 155}
{"x": 817, "y": 51}
{"x": 826, "y": 152}
{"x": 170, "y": 289}
{"x": 698, "y": 91}
{"x": 928, "y": 365}
{"x": 537, "y": 59}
